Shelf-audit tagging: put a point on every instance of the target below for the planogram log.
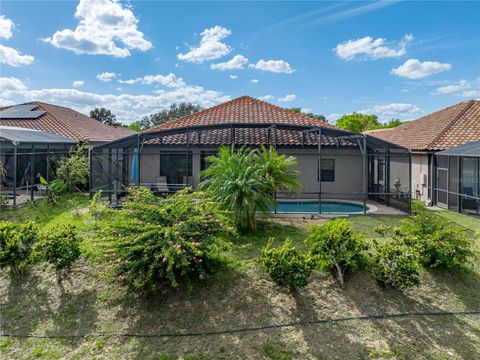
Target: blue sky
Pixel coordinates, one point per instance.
(394, 59)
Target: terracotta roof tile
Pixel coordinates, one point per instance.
(69, 123)
(243, 110)
(444, 129)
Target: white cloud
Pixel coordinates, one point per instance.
(461, 85)
(254, 81)
(398, 110)
(127, 107)
(78, 83)
(169, 80)
(6, 27)
(10, 56)
(210, 47)
(333, 117)
(470, 93)
(106, 76)
(105, 27)
(276, 66)
(287, 98)
(414, 69)
(266, 97)
(234, 77)
(369, 48)
(11, 84)
(6, 102)
(238, 62)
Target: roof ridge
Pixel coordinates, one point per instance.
(451, 122)
(82, 136)
(289, 110)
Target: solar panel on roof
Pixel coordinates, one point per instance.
(21, 112)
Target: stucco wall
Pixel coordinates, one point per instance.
(348, 167)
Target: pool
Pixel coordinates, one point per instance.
(311, 206)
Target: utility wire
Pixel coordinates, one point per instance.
(384, 316)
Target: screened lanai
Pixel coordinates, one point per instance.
(458, 178)
(25, 156)
(340, 172)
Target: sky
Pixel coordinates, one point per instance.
(389, 58)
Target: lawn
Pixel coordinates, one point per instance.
(239, 296)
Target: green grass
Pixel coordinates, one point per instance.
(238, 296)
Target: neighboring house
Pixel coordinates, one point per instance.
(61, 121)
(441, 130)
(460, 190)
(33, 136)
(172, 155)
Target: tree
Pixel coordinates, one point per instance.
(135, 126)
(237, 178)
(392, 123)
(105, 116)
(174, 112)
(358, 123)
(312, 115)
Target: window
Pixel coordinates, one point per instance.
(328, 170)
(173, 166)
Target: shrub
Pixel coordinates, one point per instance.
(60, 247)
(16, 243)
(73, 169)
(394, 264)
(439, 242)
(54, 189)
(336, 247)
(171, 242)
(286, 265)
(99, 208)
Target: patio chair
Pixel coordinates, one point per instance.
(468, 203)
(161, 184)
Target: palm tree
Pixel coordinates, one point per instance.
(277, 169)
(244, 181)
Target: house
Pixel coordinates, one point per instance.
(339, 167)
(460, 190)
(61, 121)
(33, 136)
(442, 130)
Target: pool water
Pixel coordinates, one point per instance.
(309, 206)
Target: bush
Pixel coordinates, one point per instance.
(60, 247)
(439, 243)
(16, 243)
(286, 265)
(99, 208)
(169, 241)
(336, 247)
(394, 264)
(73, 169)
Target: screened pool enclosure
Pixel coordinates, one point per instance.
(25, 156)
(458, 178)
(335, 166)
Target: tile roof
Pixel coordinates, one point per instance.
(68, 123)
(443, 129)
(247, 136)
(242, 110)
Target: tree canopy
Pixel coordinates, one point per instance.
(309, 114)
(174, 112)
(357, 122)
(104, 116)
